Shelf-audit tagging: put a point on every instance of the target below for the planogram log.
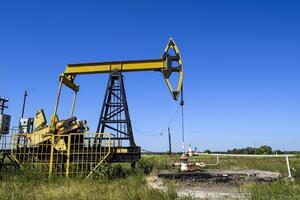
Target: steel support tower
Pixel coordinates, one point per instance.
(115, 119)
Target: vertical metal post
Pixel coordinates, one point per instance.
(73, 104)
(68, 155)
(109, 143)
(51, 156)
(288, 166)
(182, 118)
(170, 147)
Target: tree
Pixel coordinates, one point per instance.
(278, 152)
(265, 149)
(207, 151)
(250, 150)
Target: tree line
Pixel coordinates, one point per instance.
(262, 150)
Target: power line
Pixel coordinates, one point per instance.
(147, 134)
(171, 119)
(163, 129)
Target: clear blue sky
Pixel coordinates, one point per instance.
(241, 63)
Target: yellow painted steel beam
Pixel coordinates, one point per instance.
(120, 66)
(169, 63)
(164, 64)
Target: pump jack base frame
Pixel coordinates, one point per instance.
(125, 154)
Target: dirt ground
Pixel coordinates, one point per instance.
(201, 190)
(211, 184)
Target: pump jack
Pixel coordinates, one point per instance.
(114, 117)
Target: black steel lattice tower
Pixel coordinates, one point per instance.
(114, 117)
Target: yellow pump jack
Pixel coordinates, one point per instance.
(170, 62)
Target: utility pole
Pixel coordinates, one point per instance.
(4, 119)
(3, 104)
(170, 146)
(24, 102)
(22, 114)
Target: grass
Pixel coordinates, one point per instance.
(121, 182)
(258, 191)
(276, 190)
(132, 187)
(159, 162)
(112, 183)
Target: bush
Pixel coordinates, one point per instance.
(110, 171)
(146, 165)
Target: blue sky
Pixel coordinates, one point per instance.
(241, 64)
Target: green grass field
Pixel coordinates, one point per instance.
(131, 187)
(276, 190)
(121, 182)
